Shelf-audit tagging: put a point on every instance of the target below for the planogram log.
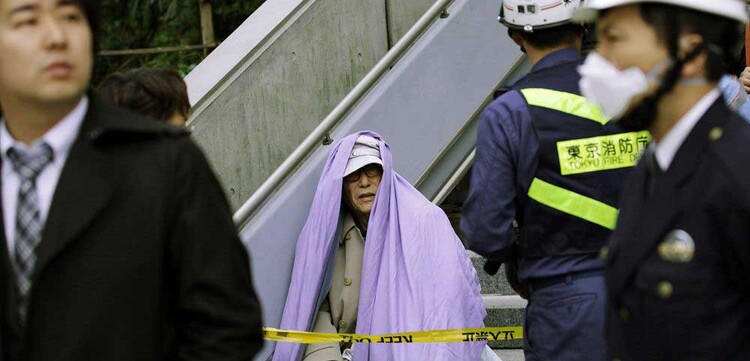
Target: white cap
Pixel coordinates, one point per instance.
(530, 15)
(365, 151)
(732, 9)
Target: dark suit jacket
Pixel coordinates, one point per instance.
(139, 258)
(661, 307)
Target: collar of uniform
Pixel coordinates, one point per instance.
(60, 137)
(557, 57)
(349, 226)
(667, 148)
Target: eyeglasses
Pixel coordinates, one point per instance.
(371, 171)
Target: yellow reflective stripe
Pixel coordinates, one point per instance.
(572, 203)
(564, 102)
(601, 153)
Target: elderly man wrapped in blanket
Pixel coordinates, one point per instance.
(376, 257)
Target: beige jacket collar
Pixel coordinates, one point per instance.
(349, 226)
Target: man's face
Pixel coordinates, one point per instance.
(45, 50)
(361, 187)
(626, 40)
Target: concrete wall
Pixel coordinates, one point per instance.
(266, 87)
(258, 120)
(402, 14)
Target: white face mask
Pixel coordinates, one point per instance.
(611, 88)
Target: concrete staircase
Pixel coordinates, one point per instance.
(504, 307)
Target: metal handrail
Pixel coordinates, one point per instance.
(298, 156)
(430, 167)
(468, 161)
(459, 174)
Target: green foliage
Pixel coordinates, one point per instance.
(135, 24)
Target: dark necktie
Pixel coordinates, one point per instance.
(653, 170)
(28, 223)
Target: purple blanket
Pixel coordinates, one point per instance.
(416, 274)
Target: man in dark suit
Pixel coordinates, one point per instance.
(120, 244)
(678, 262)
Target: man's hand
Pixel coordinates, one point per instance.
(511, 273)
(745, 79)
(491, 267)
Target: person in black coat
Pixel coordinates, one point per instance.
(678, 261)
(120, 242)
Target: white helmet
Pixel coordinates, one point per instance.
(733, 9)
(530, 15)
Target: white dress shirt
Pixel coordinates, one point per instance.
(666, 150)
(60, 138)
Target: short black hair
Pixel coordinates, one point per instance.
(721, 41)
(564, 35)
(155, 93)
(92, 11)
(721, 36)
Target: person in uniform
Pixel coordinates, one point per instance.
(551, 161)
(677, 264)
(376, 257)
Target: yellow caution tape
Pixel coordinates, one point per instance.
(457, 335)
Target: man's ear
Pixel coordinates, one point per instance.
(695, 68)
(517, 38)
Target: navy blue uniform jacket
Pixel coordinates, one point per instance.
(694, 308)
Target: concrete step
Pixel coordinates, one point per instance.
(510, 355)
(504, 302)
(490, 284)
(504, 311)
(504, 307)
(496, 284)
